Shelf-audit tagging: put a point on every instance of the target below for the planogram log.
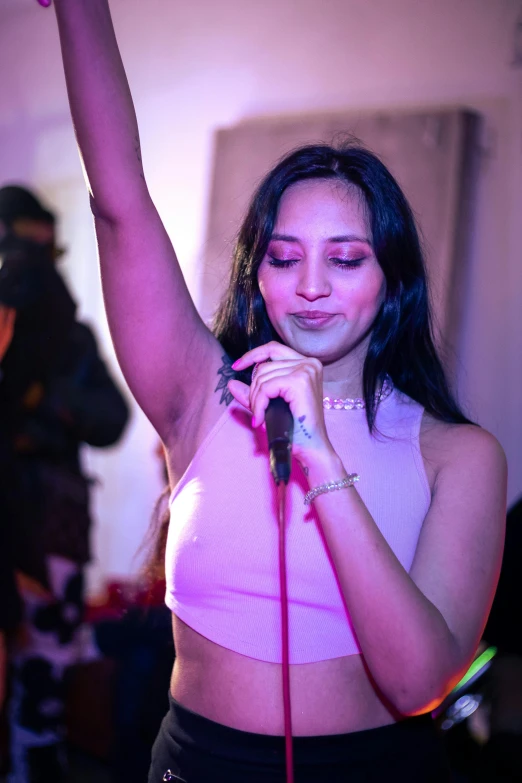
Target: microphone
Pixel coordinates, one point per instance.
(280, 430)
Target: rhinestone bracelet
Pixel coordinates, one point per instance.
(330, 486)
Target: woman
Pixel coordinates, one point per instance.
(390, 582)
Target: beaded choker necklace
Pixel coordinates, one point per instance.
(358, 403)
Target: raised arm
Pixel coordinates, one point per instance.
(154, 324)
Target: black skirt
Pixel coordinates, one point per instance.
(193, 749)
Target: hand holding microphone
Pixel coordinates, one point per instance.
(297, 381)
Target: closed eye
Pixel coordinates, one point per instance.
(347, 263)
(343, 263)
(282, 262)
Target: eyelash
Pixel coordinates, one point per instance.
(281, 263)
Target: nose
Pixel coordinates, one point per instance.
(313, 282)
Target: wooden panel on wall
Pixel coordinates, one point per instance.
(431, 153)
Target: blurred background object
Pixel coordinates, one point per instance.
(55, 394)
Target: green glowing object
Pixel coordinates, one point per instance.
(479, 663)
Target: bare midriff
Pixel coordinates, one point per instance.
(328, 697)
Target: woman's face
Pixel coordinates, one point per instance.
(320, 279)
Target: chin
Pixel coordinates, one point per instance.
(319, 348)
(328, 348)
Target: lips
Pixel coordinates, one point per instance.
(313, 318)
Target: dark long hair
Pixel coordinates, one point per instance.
(401, 343)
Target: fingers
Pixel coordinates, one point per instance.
(279, 372)
(279, 384)
(240, 392)
(249, 396)
(263, 353)
(297, 382)
(257, 396)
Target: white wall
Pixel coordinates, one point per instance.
(197, 66)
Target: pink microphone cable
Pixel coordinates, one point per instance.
(281, 503)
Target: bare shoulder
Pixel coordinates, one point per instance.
(446, 447)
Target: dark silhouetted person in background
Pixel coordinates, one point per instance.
(55, 394)
(10, 605)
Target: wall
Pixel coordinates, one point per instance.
(194, 67)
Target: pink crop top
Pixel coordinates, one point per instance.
(222, 548)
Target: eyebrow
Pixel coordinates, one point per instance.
(338, 239)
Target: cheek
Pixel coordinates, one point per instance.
(273, 293)
(365, 298)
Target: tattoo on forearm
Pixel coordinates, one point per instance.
(138, 155)
(303, 429)
(226, 374)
